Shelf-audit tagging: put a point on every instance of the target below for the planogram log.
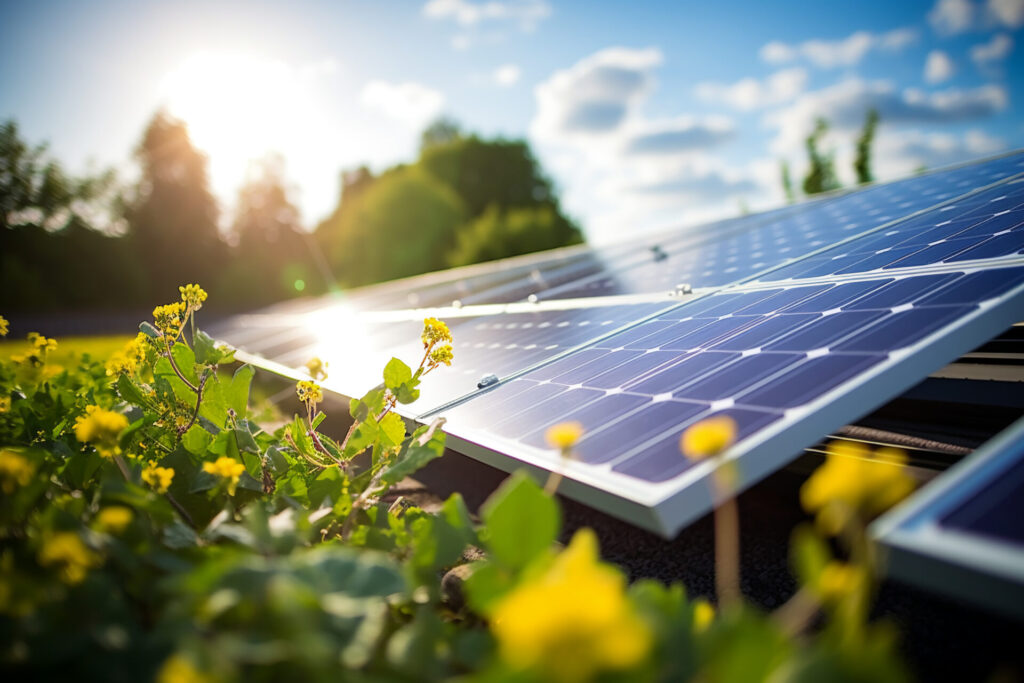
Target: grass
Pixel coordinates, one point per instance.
(69, 348)
(100, 347)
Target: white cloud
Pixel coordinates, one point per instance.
(595, 95)
(848, 51)
(949, 17)
(526, 13)
(1009, 13)
(899, 154)
(622, 170)
(938, 67)
(410, 103)
(845, 104)
(995, 50)
(507, 75)
(750, 93)
(685, 134)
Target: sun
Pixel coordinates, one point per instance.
(238, 107)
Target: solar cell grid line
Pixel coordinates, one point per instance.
(987, 224)
(738, 249)
(963, 535)
(785, 377)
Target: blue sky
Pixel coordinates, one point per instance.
(647, 115)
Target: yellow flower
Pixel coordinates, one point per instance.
(114, 519)
(442, 354)
(708, 437)
(193, 296)
(159, 478)
(5, 326)
(854, 482)
(179, 669)
(227, 469)
(67, 552)
(703, 615)
(564, 435)
(15, 471)
(127, 360)
(309, 392)
(41, 343)
(316, 368)
(5, 404)
(572, 622)
(435, 331)
(839, 580)
(169, 318)
(101, 428)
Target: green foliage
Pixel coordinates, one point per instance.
(498, 233)
(862, 161)
(463, 201)
(151, 530)
(787, 182)
(821, 173)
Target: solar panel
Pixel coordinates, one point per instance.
(789, 346)
(963, 535)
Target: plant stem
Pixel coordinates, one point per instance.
(199, 400)
(174, 366)
(727, 545)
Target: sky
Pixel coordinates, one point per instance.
(646, 115)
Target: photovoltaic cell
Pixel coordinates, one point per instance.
(635, 392)
(963, 535)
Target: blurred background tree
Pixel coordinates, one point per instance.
(271, 260)
(80, 243)
(821, 172)
(173, 215)
(467, 200)
(59, 235)
(862, 162)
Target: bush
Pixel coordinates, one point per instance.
(151, 530)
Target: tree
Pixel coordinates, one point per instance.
(173, 216)
(403, 224)
(821, 174)
(787, 182)
(499, 233)
(58, 234)
(443, 131)
(271, 260)
(486, 172)
(862, 162)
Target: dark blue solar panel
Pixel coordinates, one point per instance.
(836, 296)
(664, 460)
(998, 510)
(618, 438)
(737, 377)
(810, 380)
(671, 377)
(824, 331)
(592, 416)
(901, 292)
(976, 287)
(899, 330)
(984, 225)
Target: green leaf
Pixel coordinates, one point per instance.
(205, 351)
(808, 554)
(149, 330)
(237, 393)
(362, 437)
(520, 521)
(370, 404)
(131, 392)
(329, 484)
(318, 419)
(425, 444)
(214, 407)
(196, 440)
(186, 362)
(392, 430)
(396, 373)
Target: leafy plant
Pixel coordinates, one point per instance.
(150, 529)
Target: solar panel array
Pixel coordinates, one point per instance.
(804, 318)
(969, 524)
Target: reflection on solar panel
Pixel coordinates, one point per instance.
(967, 524)
(804, 318)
